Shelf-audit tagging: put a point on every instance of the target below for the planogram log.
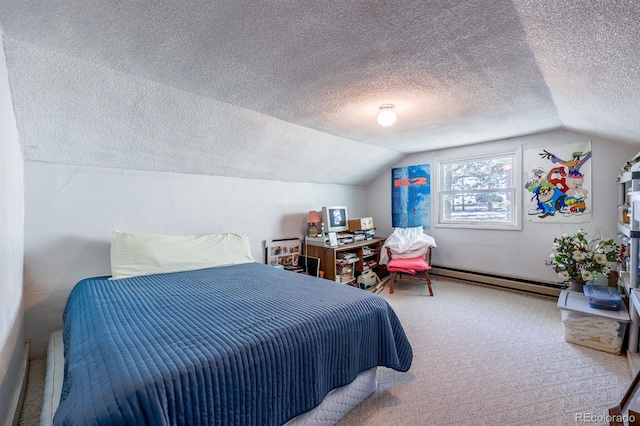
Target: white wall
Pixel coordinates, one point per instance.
(11, 248)
(71, 212)
(520, 254)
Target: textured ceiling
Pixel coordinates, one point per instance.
(458, 72)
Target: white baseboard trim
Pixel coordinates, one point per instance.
(493, 280)
(18, 396)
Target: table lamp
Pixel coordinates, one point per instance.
(313, 219)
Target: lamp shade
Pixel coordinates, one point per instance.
(313, 217)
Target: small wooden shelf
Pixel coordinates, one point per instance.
(329, 255)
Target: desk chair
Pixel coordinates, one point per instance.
(413, 266)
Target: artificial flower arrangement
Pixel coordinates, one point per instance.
(576, 257)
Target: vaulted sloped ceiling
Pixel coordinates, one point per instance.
(289, 90)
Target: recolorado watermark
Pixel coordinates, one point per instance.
(603, 418)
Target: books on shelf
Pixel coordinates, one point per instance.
(345, 278)
(369, 264)
(346, 257)
(368, 251)
(344, 269)
(364, 234)
(347, 254)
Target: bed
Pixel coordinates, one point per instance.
(239, 344)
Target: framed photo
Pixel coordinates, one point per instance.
(282, 252)
(333, 239)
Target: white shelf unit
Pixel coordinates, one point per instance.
(629, 200)
(634, 307)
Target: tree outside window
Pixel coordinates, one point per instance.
(478, 192)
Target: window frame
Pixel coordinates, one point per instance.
(516, 178)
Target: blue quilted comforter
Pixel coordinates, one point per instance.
(237, 345)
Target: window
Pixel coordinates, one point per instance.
(480, 192)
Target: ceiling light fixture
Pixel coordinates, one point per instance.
(386, 116)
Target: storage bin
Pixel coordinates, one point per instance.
(603, 297)
(594, 328)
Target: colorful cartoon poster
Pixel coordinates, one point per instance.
(557, 183)
(411, 196)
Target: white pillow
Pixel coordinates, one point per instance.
(137, 255)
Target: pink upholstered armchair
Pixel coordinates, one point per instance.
(417, 266)
(408, 251)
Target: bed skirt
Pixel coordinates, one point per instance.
(333, 407)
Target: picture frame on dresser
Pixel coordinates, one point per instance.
(333, 239)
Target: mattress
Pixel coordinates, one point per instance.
(242, 344)
(333, 407)
(53, 378)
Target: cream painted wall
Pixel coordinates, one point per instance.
(522, 253)
(11, 249)
(71, 212)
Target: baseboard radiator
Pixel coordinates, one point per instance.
(537, 287)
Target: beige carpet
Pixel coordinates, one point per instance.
(34, 393)
(482, 356)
